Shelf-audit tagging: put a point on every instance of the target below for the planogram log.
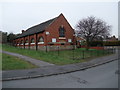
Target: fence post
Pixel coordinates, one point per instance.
(73, 54)
(113, 50)
(83, 54)
(103, 51)
(91, 53)
(58, 50)
(108, 51)
(97, 52)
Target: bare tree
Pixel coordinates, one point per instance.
(91, 28)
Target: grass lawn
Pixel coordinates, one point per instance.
(59, 58)
(10, 63)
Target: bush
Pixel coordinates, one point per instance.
(105, 43)
(111, 43)
(96, 43)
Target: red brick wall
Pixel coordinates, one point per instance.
(53, 29)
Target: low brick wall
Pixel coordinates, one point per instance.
(50, 48)
(42, 48)
(33, 47)
(55, 48)
(26, 47)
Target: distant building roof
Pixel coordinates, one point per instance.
(80, 39)
(37, 28)
(112, 38)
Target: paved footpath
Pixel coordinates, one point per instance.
(103, 76)
(36, 62)
(55, 70)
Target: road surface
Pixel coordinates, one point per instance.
(104, 76)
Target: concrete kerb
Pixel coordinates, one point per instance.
(64, 72)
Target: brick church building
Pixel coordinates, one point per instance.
(47, 36)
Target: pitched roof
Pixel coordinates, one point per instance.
(37, 28)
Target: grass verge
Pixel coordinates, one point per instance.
(10, 63)
(58, 57)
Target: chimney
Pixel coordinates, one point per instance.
(23, 31)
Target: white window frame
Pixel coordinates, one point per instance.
(40, 42)
(70, 40)
(54, 40)
(32, 43)
(47, 33)
(26, 43)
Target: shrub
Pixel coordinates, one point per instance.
(105, 43)
(111, 43)
(96, 43)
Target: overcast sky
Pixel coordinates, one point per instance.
(17, 16)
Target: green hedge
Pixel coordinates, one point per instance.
(111, 43)
(105, 43)
(96, 43)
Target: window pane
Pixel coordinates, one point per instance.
(53, 39)
(21, 41)
(61, 32)
(41, 39)
(32, 40)
(26, 41)
(69, 40)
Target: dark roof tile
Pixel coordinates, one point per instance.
(37, 28)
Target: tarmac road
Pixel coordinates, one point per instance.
(103, 76)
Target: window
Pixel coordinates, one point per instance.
(17, 42)
(69, 40)
(26, 42)
(32, 41)
(53, 39)
(21, 42)
(61, 31)
(40, 40)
